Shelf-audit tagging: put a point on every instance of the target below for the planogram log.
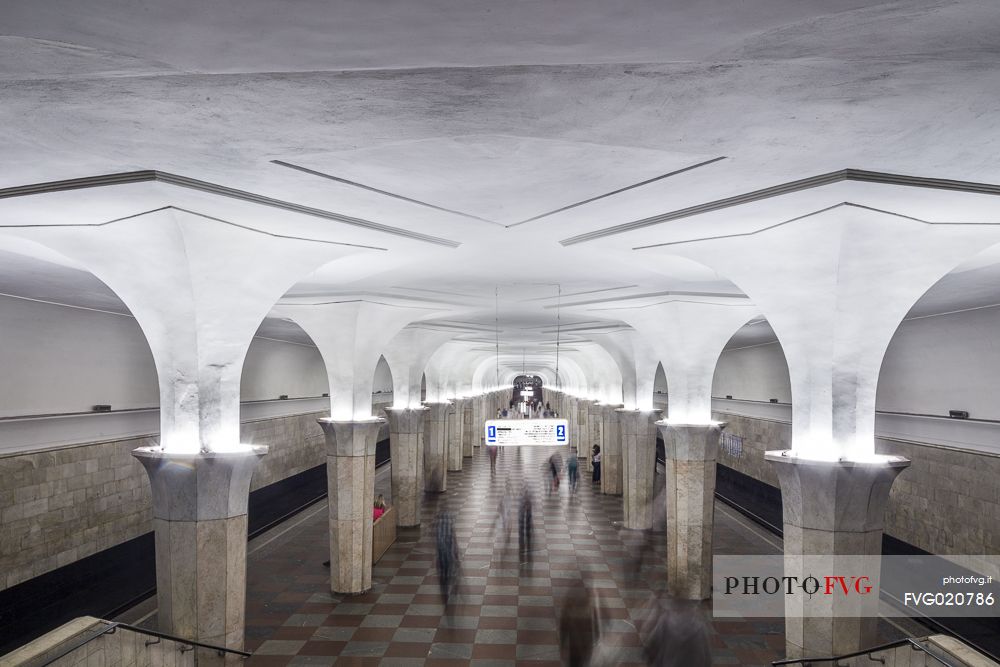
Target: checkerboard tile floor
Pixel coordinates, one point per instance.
(505, 607)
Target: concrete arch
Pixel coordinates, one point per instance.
(382, 382)
(42, 252)
(835, 286)
(661, 389)
(166, 266)
(932, 347)
(757, 371)
(687, 334)
(409, 352)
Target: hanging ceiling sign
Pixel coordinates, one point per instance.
(527, 432)
(527, 382)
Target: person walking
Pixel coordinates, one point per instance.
(676, 636)
(577, 629)
(573, 471)
(505, 514)
(596, 461)
(524, 524)
(555, 464)
(447, 554)
(492, 451)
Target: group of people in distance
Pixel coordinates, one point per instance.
(526, 410)
(573, 469)
(673, 633)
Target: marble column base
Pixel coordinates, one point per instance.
(350, 474)
(200, 525)
(406, 451)
(611, 451)
(833, 509)
(638, 438)
(436, 448)
(691, 451)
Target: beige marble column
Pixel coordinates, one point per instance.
(455, 413)
(691, 451)
(406, 447)
(573, 422)
(200, 525)
(436, 448)
(350, 474)
(833, 509)
(638, 431)
(583, 431)
(467, 411)
(611, 451)
(478, 417)
(595, 427)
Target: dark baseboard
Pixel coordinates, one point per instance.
(109, 582)
(92, 586)
(758, 501)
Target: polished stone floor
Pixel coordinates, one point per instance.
(505, 608)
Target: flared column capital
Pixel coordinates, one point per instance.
(437, 409)
(843, 496)
(199, 486)
(351, 437)
(406, 420)
(691, 442)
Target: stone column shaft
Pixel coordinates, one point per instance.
(436, 448)
(467, 412)
(200, 524)
(573, 422)
(594, 432)
(638, 437)
(350, 474)
(478, 412)
(406, 447)
(611, 452)
(691, 451)
(833, 509)
(455, 413)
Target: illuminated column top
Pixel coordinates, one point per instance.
(835, 286)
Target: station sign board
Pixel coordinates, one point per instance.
(527, 432)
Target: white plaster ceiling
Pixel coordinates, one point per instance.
(311, 35)
(502, 112)
(503, 179)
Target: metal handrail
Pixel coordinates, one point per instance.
(111, 627)
(913, 643)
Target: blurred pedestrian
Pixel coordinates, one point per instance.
(577, 627)
(505, 513)
(447, 554)
(555, 465)
(492, 451)
(676, 636)
(524, 523)
(643, 542)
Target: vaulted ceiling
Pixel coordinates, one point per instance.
(503, 157)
